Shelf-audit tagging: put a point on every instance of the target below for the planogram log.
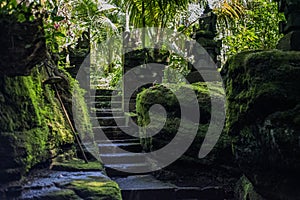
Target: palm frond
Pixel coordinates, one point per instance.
(106, 22)
(229, 10)
(155, 12)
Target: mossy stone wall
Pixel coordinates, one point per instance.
(263, 95)
(32, 125)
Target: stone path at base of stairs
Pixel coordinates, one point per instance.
(147, 187)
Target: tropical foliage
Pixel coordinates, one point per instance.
(251, 25)
(242, 25)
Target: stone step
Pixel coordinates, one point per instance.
(209, 193)
(116, 129)
(123, 158)
(112, 147)
(145, 187)
(104, 92)
(116, 170)
(110, 121)
(112, 133)
(148, 187)
(106, 104)
(100, 98)
(133, 140)
(117, 136)
(172, 194)
(149, 194)
(100, 110)
(109, 113)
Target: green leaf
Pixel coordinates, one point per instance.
(21, 18)
(54, 12)
(31, 18)
(58, 18)
(59, 34)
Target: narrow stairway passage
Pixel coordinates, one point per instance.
(133, 186)
(107, 116)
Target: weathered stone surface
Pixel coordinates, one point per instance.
(75, 180)
(68, 185)
(101, 189)
(210, 76)
(32, 121)
(290, 27)
(290, 42)
(64, 194)
(291, 11)
(23, 125)
(263, 94)
(159, 94)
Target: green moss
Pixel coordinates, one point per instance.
(257, 82)
(77, 165)
(159, 94)
(81, 113)
(20, 109)
(56, 121)
(22, 116)
(32, 116)
(36, 143)
(244, 190)
(101, 189)
(64, 194)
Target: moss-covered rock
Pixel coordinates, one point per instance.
(74, 101)
(32, 123)
(263, 95)
(64, 194)
(160, 94)
(102, 189)
(260, 81)
(73, 179)
(25, 123)
(76, 165)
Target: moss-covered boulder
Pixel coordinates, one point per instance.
(64, 194)
(67, 179)
(32, 123)
(93, 188)
(263, 95)
(102, 189)
(28, 113)
(87, 186)
(160, 94)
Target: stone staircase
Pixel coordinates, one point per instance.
(133, 186)
(108, 111)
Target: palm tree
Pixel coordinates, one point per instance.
(228, 11)
(92, 15)
(153, 13)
